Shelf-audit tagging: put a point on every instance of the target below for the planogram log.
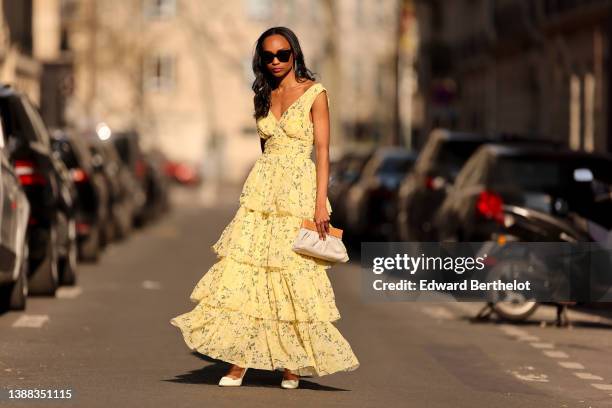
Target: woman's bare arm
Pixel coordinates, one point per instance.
(320, 120)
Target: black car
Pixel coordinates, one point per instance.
(526, 190)
(121, 183)
(371, 201)
(46, 182)
(92, 192)
(14, 215)
(128, 147)
(158, 184)
(439, 162)
(513, 193)
(343, 174)
(68, 249)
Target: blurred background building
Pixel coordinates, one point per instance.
(519, 66)
(179, 71)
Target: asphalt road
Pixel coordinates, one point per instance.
(109, 339)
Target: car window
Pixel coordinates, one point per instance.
(355, 167)
(452, 156)
(555, 177)
(17, 124)
(123, 148)
(40, 130)
(369, 169)
(5, 134)
(474, 170)
(527, 174)
(396, 165)
(66, 153)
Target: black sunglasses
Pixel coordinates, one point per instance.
(282, 55)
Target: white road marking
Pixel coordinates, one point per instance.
(571, 365)
(528, 338)
(532, 377)
(542, 345)
(555, 354)
(588, 376)
(35, 321)
(548, 350)
(68, 292)
(151, 285)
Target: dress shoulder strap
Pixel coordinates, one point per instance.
(317, 89)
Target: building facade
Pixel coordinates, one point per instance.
(34, 57)
(538, 67)
(18, 67)
(180, 72)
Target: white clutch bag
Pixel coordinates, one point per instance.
(308, 243)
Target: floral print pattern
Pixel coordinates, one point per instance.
(262, 305)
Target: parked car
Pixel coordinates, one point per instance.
(157, 185)
(121, 183)
(14, 214)
(524, 193)
(128, 147)
(52, 224)
(439, 162)
(371, 201)
(92, 214)
(504, 182)
(68, 237)
(343, 174)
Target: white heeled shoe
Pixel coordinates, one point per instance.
(227, 381)
(290, 384)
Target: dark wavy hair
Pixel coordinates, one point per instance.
(264, 81)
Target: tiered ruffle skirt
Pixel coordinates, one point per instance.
(261, 305)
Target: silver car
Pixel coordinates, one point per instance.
(14, 215)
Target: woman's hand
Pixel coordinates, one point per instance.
(321, 218)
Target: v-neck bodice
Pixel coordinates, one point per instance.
(289, 107)
(283, 178)
(294, 123)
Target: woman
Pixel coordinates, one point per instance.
(262, 305)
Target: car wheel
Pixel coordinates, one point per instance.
(19, 294)
(515, 311)
(14, 296)
(45, 278)
(512, 305)
(110, 231)
(68, 264)
(120, 227)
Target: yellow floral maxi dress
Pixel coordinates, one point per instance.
(262, 305)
